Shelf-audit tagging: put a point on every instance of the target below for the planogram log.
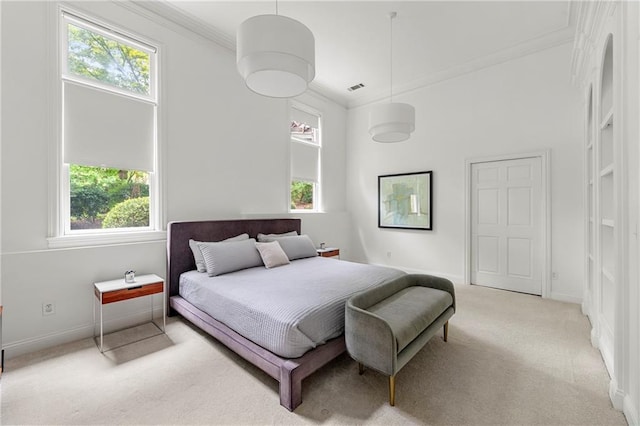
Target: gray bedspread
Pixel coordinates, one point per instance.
(289, 309)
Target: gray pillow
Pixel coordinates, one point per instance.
(229, 256)
(272, 254)
(197, 253)
(265, 238)
(298, 247)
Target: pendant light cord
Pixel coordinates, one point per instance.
(391, 16)
(276, 7)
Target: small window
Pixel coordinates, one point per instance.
(305, 160)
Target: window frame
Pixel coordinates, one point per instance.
(317, 186)
(60, 233)
(112, 33)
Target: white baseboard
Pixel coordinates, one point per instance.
(630, 411)
(33, 344)
(616, 394)
(606, 352)
(566, 298)
(586, 303)
(595, 339)
(456, 279)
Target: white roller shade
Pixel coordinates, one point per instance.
(107, 129)
(304, 162)
(304, 117)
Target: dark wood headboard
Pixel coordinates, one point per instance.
(180, 257)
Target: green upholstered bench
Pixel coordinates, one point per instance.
(387, 325)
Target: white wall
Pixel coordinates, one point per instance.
(226, 156)
(0, 173)
(631, 141)
(520, 106)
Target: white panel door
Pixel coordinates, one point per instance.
(506, 225)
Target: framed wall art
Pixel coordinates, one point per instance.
(404, 201)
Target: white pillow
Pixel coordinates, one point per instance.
(229, 256)
(298, 247)
(265, 238)
(197, 253)
(272, 254)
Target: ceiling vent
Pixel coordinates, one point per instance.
(355, 87)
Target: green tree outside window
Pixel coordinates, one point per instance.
(97, 57)
(301, 195)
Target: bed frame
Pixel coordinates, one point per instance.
(288, 371)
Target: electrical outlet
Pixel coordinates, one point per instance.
(389, 254)
(48, 308)
(554, 275)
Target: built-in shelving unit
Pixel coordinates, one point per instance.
(590, 207)
(606, 208)
(605, 59)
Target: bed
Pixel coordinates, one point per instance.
(311, 342)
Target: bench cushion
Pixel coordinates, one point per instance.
(410, 311)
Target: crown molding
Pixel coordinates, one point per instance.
(547, 41)
(591, 20)
(178, 21)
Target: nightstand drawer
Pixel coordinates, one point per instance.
(329, 252)
(130, 293)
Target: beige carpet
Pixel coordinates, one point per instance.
(510, 359)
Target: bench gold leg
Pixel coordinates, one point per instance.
(446, 330)
(360, 368)
(392, 390)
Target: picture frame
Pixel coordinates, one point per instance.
(405, 201)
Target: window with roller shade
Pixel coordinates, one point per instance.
(306, 148)
(109, 108)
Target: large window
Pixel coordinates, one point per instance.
(109, 179)
(305, 160)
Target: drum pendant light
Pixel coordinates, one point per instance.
(393, 121)
(275, 55)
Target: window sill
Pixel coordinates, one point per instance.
(87, 240)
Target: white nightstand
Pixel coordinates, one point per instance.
(329, 252)
(118, 290)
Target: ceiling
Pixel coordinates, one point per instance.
(432, 40)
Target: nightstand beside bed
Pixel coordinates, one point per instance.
(118, 290)
(329, 252)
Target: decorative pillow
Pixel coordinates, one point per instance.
(229, 256)
(197, 253)
(272, 254)
(298, 247)
(266, 238)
